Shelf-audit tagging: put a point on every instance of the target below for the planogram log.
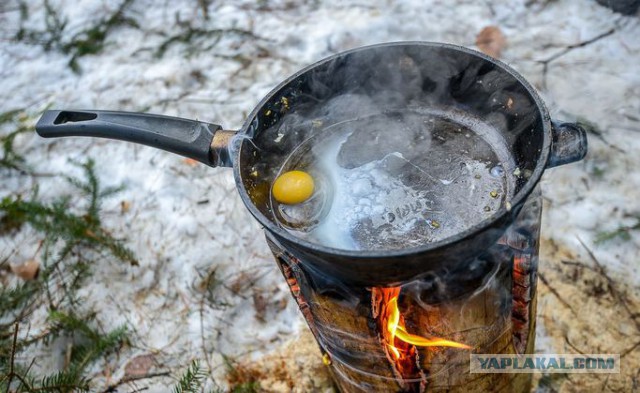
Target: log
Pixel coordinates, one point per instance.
(339, 318)
(489, 306)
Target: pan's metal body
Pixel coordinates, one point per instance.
(410, 73)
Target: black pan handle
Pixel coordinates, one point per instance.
(568, 144)
(200, 141)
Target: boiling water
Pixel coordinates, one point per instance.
(396, 181)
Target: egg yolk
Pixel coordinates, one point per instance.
(293, 187)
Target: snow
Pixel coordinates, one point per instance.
(178, 240)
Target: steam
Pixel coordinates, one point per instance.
(438, 127)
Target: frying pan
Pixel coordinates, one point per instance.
(391, 77)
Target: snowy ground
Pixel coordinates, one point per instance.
(186, 220)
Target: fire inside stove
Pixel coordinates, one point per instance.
(401, 345)
(418, 335)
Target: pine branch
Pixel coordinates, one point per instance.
(90, 187)
(190, 34)
(57, 222)
(12, 359)
(191, 380)
(13, 371)
(84, 355)
(62, 382)
(93, 40)
(54, 28)
(89, 41)
(8, 116)
(10, 159)
(68, 242)
(70, 323)
(623, 232)
(98, 343)
(14, 298)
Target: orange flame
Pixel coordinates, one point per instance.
(396, 329)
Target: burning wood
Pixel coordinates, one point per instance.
(400, 344)
(417, 336)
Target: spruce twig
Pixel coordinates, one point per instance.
(12, 369)
(13, 357)
(95, 343)
(546, 62)
(17, 301)
(622, 232)
(62, 382)
(89, 41)
(51, 36)
(10, 159)
(69, 240)
(58, 223)
(191, 380)
(190, 34)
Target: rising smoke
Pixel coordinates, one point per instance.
(431, 122)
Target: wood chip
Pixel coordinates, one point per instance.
(260, 304)
(28, 270)
(190, 162)
(139, 366)
(491, 41)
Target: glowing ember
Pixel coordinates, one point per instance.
(401, 343)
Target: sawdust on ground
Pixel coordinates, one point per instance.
(581, 308)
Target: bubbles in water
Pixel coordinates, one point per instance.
(497, 171)
(412, 181)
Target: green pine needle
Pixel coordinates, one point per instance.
(89, 41)
(191, 380)
(70, 323)
(62, 382)
(247, 387)
(14, 298)
(16, 123)
(623, 233)
(84, 355)
(58, 222)
(71, 241)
